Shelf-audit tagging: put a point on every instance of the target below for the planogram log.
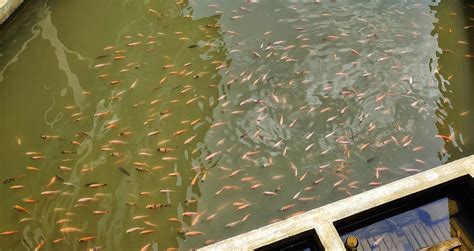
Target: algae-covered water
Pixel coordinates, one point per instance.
(130, 125)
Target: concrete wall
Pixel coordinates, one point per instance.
(7, 7)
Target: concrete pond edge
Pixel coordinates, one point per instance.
(7, 7)
(322, 219)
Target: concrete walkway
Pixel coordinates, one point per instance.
(7, 7)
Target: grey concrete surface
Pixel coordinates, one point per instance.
(7, 7)
(321, 219)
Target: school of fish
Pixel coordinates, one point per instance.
(235, 128)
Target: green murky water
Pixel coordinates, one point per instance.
(178, 125)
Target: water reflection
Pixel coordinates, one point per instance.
(438, 218)
(422, 227)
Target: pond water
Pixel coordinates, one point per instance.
(175, 124)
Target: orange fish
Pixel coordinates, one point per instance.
(193, 233)
(148, 231)
(67, 230)
(17, 187)
(86, 238)
(145, 248)
(29, 200)
(58, 240)
(20, 208)
(287, 207)
(101, 212)
(96, 185)
(40, 245)
(180, 132)
(7, 233)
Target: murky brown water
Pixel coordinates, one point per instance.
(203, 120)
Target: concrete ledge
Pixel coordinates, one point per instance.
(322, 219)
(7, 7)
